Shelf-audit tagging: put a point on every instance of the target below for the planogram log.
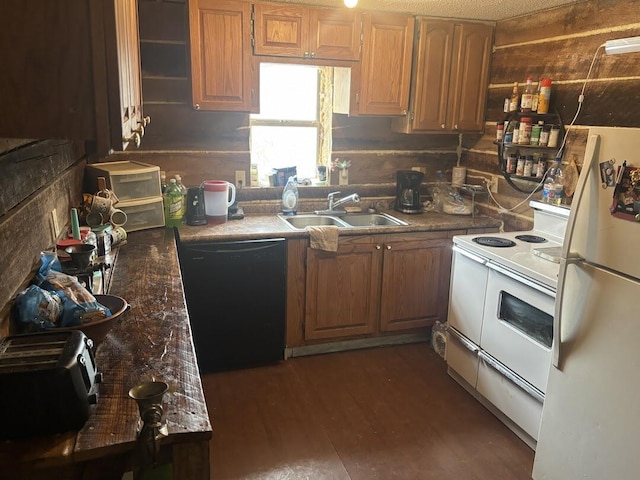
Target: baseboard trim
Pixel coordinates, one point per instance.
(357, 344)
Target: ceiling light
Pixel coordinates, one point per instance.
(622, 45)
(350, 3)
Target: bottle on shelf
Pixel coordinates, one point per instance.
(536, 96)
(174, 205)
(545, 96)
(526, 100)
(163, 182)
(515, 97)
(553, 187)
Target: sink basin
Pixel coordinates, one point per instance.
(344, 220)
(371, 220)
(309, 220)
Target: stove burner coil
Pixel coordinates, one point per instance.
(494, 242)
(531, 238)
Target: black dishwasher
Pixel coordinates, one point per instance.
(235, 293)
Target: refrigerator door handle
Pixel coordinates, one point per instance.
(590, 155)
(568, 256)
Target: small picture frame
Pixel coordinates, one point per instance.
(607, 174)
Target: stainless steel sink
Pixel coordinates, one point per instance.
(342, 220)
(371, 220)
(308, 220)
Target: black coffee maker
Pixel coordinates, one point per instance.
(196, 214)
(408, 192)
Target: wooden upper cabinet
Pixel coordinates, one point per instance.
(221, 63)
(381, 87)
(470, 76)
(282, 29)
(450, 78)
(71, 70)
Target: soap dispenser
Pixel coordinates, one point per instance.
(290, 197)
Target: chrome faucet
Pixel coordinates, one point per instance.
(333, 205)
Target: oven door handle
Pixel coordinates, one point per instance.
(521, 279)
(469, 255)
(513, 377)
(464, 341)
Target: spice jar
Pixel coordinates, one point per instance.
(554, 135)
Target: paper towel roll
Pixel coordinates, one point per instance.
(458, 176)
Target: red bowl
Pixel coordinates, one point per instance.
(96, 330)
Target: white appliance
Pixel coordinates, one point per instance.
(500, 323)
(591, 417)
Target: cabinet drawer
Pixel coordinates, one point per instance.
(128, 180)
(142, 214)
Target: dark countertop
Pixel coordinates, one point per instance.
(151, 341)
(256, 226)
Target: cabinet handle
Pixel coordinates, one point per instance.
(388, 247)
(313, 54)
(197, 106)
(378, 247)
(455, 127)
(442, 125)
(305, 54)
(145, 121)
(135, 138)
(140, 130)
(405, 112)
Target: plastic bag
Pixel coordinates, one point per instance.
(447, 199)
(38, 308)
(78, 304)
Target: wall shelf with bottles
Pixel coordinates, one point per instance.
(523, 164)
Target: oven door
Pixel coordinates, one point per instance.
(518, 324)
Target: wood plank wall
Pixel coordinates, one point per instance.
(560, 44)
(38, 176)
(204, 145)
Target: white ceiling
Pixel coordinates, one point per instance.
(470, 9)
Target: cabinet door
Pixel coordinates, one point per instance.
(431, 81)
(415, 281)
(334, 33)
(470, 76)
(221, 68)
(343, 288)
(386, 64)
(128, 112)
(70, 70)
(281, 29)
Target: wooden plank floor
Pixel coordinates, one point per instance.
(381, 413)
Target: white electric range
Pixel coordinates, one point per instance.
(533, 253)
(500, 323)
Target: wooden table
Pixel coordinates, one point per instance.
(152, 341)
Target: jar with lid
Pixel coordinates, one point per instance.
(520, 165)
(512, 162)
(536, 130)
(554, 136)
(525, 130)
(544, 135)
(499, 131)
(528, 166)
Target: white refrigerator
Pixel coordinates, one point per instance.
(590, 426)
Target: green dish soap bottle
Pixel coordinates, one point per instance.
(290, 197)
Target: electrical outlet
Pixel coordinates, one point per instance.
(55, 226)
(241, 180)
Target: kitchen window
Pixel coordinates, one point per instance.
(293, 127)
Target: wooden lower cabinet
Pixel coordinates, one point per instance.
(375, 284)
